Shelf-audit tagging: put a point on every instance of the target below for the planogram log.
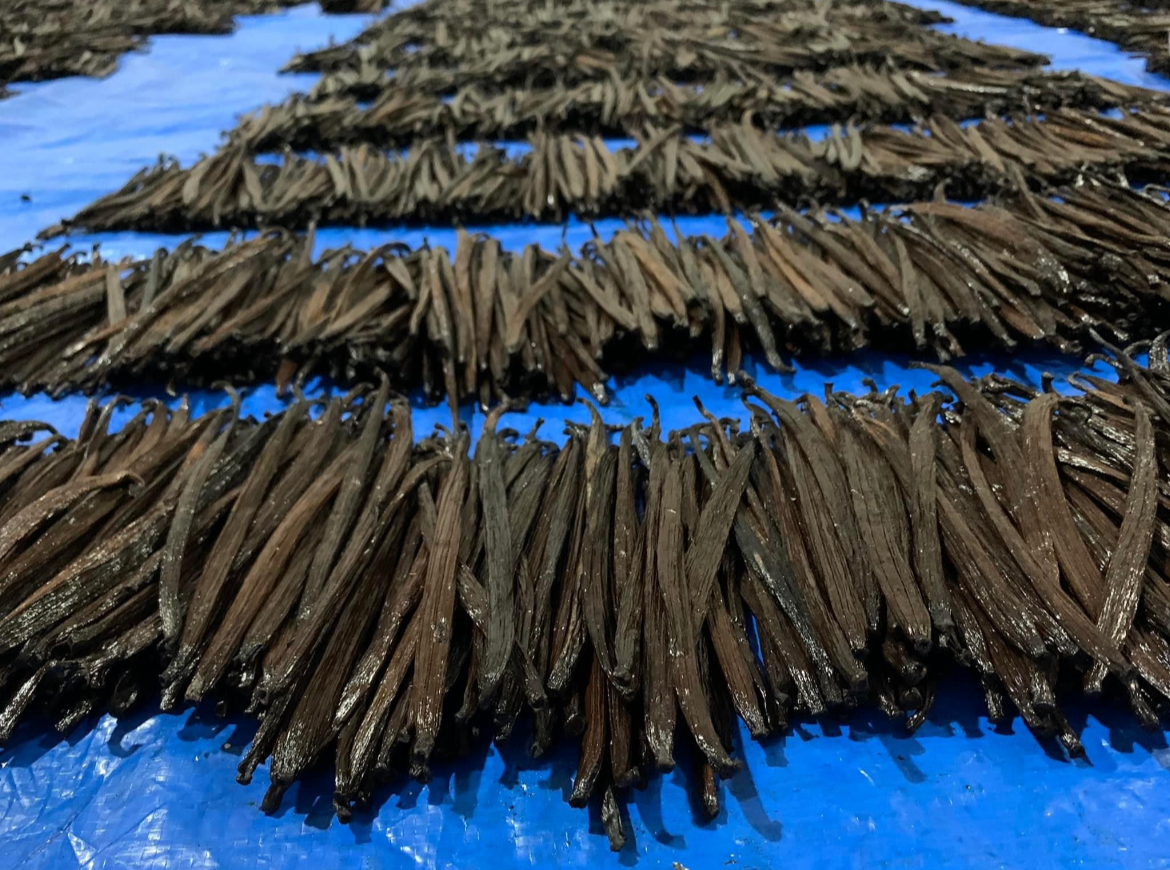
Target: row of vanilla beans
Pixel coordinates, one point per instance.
(501, 45)
(386, 599)
(482, 322)
(1139, 28)
(400, 113)
(450, 26)
(740, 167)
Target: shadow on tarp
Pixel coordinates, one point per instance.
(503, 782)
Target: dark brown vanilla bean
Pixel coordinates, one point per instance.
(705, 553)
(499, 556)
(205, 454)
(1123, 576)
(884, 532)
(679, 622)
(628, 574)
(437, 608)
(346, 504)
(593, 742)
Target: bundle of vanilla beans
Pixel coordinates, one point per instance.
(400, 115)
(739, 168)
(482, 322)
(385, 603)
(1138, 27)
(47, 39)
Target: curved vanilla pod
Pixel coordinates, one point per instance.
(593, 741)
(597, 600)
(555, 531)
(1148, 648)
(718, 514)
(628, 566)
(679, 625)
(1123, 575)
(772, 567)
(527, 470)
(14, 463)
(1070, 614)
(884, 532)
(205, 455)
(567, 631)
(391, 699)
(774, 480)
(657, 684)
(27, 522)
(1157, 401)
(437, 608)
(311, 728)
(924, 511)
(829, 475)
(499, 557)
(13, 431)
(1032, 549)
(739, 672)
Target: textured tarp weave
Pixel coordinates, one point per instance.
(158, 791)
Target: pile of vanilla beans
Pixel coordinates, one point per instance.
(386, 600)
(481, 322)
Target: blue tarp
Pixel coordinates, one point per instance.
(159, 790)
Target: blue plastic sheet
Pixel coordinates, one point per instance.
(158, 791)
